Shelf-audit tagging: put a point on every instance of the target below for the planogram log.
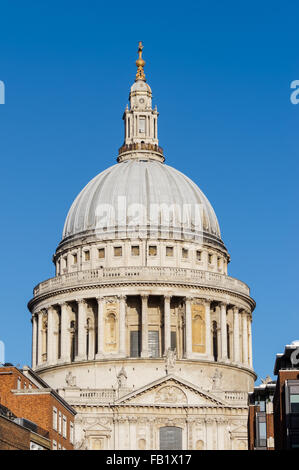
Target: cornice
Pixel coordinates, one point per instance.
(167, 284)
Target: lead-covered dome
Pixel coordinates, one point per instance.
(142, 198)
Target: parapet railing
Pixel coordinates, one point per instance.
(105, 275)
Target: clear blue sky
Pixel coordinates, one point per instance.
(220, 73)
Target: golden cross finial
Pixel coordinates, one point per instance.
(140, 75)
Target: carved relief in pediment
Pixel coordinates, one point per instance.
(170, 394)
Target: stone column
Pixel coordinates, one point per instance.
(209, 434)
(223, 331)
(34, 340)
(81, 330)
(236, 335)
(51, 359)
(122, 325)
(245, 338)
(144, 326)
(39, 337)
(116, 431)
(221, 429)
(132, 433)
(250, 341)
(101, 304)
(167, 328)
(188, 328)
(65, 334)
(209, 351)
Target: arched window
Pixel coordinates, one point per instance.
(215, 341)
(171, 438)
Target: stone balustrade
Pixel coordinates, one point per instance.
(102, 276)
(77, 396)
(235, 397)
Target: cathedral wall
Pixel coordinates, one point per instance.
(98, 375)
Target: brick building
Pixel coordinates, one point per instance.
(30, 398)
(286, 398)
(19, 434)
(273, 421)
(261, 419)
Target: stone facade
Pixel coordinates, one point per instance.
(146, 336)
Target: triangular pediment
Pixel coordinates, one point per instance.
(170, 391)
(96, 427)
(241, 429)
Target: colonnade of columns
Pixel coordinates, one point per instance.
(54, 332)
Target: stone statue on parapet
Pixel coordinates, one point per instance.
(170, 359)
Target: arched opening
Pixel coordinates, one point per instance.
(228, 340)
(215, 341)
(171, 438)
(73, 340)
